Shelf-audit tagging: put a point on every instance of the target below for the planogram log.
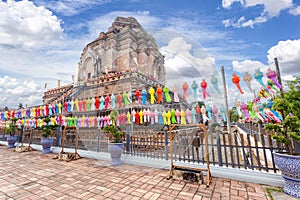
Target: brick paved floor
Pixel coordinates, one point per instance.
(32, 175)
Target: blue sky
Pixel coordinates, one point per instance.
(41, 41)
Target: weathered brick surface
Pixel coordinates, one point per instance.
(32, 175)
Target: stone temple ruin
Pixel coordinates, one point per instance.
(121, 60)
(126, 46)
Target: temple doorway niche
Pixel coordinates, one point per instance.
(88, 68)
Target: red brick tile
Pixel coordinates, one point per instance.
(176, 186)
(234, 192)
(155, 196)
(237, 198)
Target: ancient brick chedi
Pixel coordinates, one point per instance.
(124, 58)
(126, 46)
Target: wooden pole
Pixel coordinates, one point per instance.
(279, 81)
(278, 76)
(226, 100)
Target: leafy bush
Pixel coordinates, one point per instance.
(46, 128)
(12, 127)
(288, 131)
(114, 132)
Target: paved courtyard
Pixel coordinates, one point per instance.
(33, 175)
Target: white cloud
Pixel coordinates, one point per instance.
(287, 77)
(183, 65)
(195, 28)
(240, 67)
(248, 66)
(179, 58)
(288, 54)
(243, 23)
(8, 82)
(227, 22)
(24, 24)
(270, 10)
(295, 11)
(178, 45)
(31, 45)
(13, 92)
(71, 7)
(228, 3)
(41, 65)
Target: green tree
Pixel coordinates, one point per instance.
(289, 130)
(290, 103)
(293, 96)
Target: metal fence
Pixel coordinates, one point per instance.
(237, 150)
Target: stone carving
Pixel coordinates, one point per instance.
(96, 62)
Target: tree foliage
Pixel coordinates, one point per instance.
(293, 97)
(289, 130)
(46, 128)
(11, 130)
(290, 102)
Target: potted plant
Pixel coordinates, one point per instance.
(288, 134)
(115, 135)
(46, 140)
(11, 130)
